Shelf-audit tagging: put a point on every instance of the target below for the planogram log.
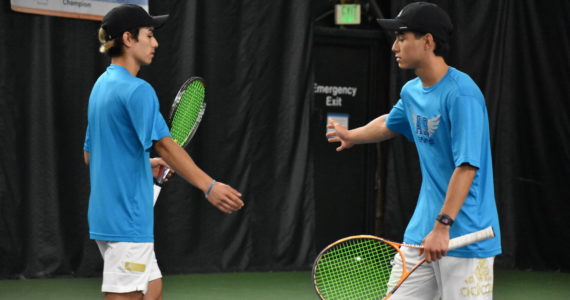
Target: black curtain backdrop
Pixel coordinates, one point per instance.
(255, 56)
(257, 59)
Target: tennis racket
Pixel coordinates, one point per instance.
(359, 267)
(184, 118)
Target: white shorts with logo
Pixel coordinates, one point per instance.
(128, 267)
(449, 278)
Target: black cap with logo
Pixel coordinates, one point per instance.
(421, 17)
(129, 16)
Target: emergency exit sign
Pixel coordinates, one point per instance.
(347, 14)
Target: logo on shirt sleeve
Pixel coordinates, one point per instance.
(425, 127)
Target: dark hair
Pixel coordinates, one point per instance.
(441, 46)
(114, 47)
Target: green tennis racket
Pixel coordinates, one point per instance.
(185, 115)
(359, 267)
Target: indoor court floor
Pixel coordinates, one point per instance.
(509, 285)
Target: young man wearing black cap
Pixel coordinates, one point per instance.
(124, 123)
(443, 112)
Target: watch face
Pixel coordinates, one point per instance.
(445, 220)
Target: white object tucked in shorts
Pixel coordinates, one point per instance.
(128, 267)
(449, 278)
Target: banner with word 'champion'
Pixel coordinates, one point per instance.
(79, 9)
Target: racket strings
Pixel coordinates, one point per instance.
(355, 269)
(188, 112)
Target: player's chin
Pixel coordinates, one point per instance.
(147, 61)
(404, 66)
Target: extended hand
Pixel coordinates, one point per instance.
(225, 198)
(339, 134)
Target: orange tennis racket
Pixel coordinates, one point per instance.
(359, 267)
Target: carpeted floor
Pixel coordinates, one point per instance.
(509, 285)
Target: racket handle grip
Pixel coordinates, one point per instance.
(471, 238)
(162, 175)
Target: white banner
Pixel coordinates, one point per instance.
(79, 9)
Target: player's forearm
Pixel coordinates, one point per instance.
(86, 157)
(182, 163)
(458, 189)
(373, 132)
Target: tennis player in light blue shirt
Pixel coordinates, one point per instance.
(124, 120)
(124, 124)
(449, 125)
(443, 112)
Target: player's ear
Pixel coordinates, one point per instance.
(127, 39)
(429, 42)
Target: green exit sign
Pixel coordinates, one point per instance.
(347, 14)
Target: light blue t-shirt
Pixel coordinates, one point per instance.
(123, 122)
(449, 124)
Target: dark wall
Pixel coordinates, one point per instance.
(256, 56)
(344, 182)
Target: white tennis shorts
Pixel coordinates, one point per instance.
(128, 267)
(449, 278)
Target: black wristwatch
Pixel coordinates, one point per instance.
(444, 219)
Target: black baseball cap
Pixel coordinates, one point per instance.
(129, 16)
(421, 17)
